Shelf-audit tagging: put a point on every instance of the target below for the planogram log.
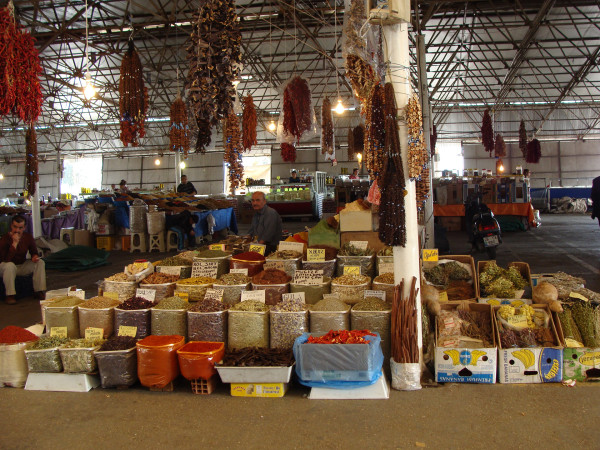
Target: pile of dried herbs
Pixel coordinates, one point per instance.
(498, 282)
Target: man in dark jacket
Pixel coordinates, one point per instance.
(266, 223)
(186, 187)
(183, 224)
(596, 199)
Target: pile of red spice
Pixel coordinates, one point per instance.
(159, 341)
(15, 335)
(249, 257)
(341, 337)
(271, 276)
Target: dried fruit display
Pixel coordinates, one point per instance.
(487, 132)
(213, 55)
(422, 186)
(417, 152)
(375, 133)
(297, 112)
(179, 132)
(362, 77)
(249, 123)
(233, 151)
(357, 17)
(31, 161)
(534, 151)
(326, 128)
(133, 98)
(499, 147)
(523, 139)
(20, 91)
(288, 152)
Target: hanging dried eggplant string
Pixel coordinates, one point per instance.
(417, 152)
(31, 162)
(487, 132)
(362, 77)
(213, 55)
(534, 151)
(179, 131)
(326, 128)
(405, 348)
(233, 151)
(499, 147)
(249, 123)
(523, 139)
(297, 112)
(133, 98)
(375, 133)
(288, 152)
(392, 215)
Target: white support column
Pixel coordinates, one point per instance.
(59, 173)
(177, 169)
(36, 217)
(406, 259)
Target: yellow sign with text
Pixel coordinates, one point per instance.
(443, 297)
(258, 248)
(183, 295)
(430, 254)
(93, 334)
(315, 254)
(127, 331)
(217, 247)
(351, 270)
(59, 332)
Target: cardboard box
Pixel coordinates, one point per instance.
(466, 365)
(49, 212)
(356, 220)
(371, 236)
(258, 389)
(465, 259)
(84, 237)
(455, 194)
(452, 223)
(525, 272)
(516, 302)
(469, 190)
(441, 195)
(105, 229)
(488, 193)
(530, 365)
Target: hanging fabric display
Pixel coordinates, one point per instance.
(249, 123)
(499, 147)
(31, 161)
(374, 141)
(133, 98)
(288, 152)
(326, 128)
(417, 153)
(534, 152)
(20, 90)
(523, 139)
(233, 151)
(487, 132)
(297, 112)
(179, 131)
(213, 55)
(392, 217)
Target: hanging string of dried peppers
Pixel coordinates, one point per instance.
(233, 151)
(499, 147)
(179, 132)
(133, 101)
(249, 123)
(523, 139)
(297, 112)
(392, 216)
(213, 55)
(20, 90)
(534, 151)
(375, 133)
(31, 160)
(326, 128)
(288, 152)
(487, 132)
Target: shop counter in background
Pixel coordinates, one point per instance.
(499, 209)
(293, 208)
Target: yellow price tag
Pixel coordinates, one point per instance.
(183, 295)
(142, 265)
(93, 334)
(518, 320)
(113, 295)
(443, 297)
(315, 254)
(578, 296)
(59, 332)
(351, 270)
(430, 254)
(127, 331)
(258, 248)
(217, 247)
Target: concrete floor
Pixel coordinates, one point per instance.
(450, 416)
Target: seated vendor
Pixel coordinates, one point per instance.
(266, 223)
(14, 246)
(183, 224)
(186, 186)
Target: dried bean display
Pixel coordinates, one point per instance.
(117, 362)
(195, 287)
(350, 288)
(134, 313)
(169, 317)
(207, 321)
(42, 355)
(312, 292)
(77, 355)
(289, 319)
(258, 357)
(248, 325)
(329, 314)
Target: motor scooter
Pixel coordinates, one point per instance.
(482, 227)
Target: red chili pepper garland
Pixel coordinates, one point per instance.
(297, 113)
(249, 123)
(487, 132)
(499, 147)
(179, 133)
(326, 128)
(288, 152)
(133, 101)
(534, 151)
(31, 160)
(341, 337)
(523, 139)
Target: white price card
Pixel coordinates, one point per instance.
(386, 268)
(79, 294)
(294, 296)
(169, 270)
(242, 271)
(361, 245)
(205, 269)
(378, 294)
(148, 294)
(308, 277)
(293, 246)
(257, 296)
(214, 294)
(278, 265)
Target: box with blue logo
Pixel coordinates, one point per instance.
(460, 358)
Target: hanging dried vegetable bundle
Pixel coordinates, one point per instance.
(233, 151)
(523, 139)
(288, 152)
(297, 113)
(362, 77)
(499, 147)
(20, 91)
(422, 188)
(487, 132)
(213, 55)
(359, 138)
(357, 17)
(534, 152)
(133, 98)
(249, 123)
(31, 161)
(179, 132)
(417, 152)
(392, 218)
(375, 133)
(433, 140)
(326, 128)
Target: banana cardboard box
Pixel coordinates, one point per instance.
(505, 301)
(530, 365)
(466, 365)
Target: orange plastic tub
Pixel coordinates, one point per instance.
(197, 359)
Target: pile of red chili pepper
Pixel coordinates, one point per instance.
(271, 276)
(14, 335)
(249, 257)
(341, 337)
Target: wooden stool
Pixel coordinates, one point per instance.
(138, 242)
(157, 242)
(69, 234)
(172, 240)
